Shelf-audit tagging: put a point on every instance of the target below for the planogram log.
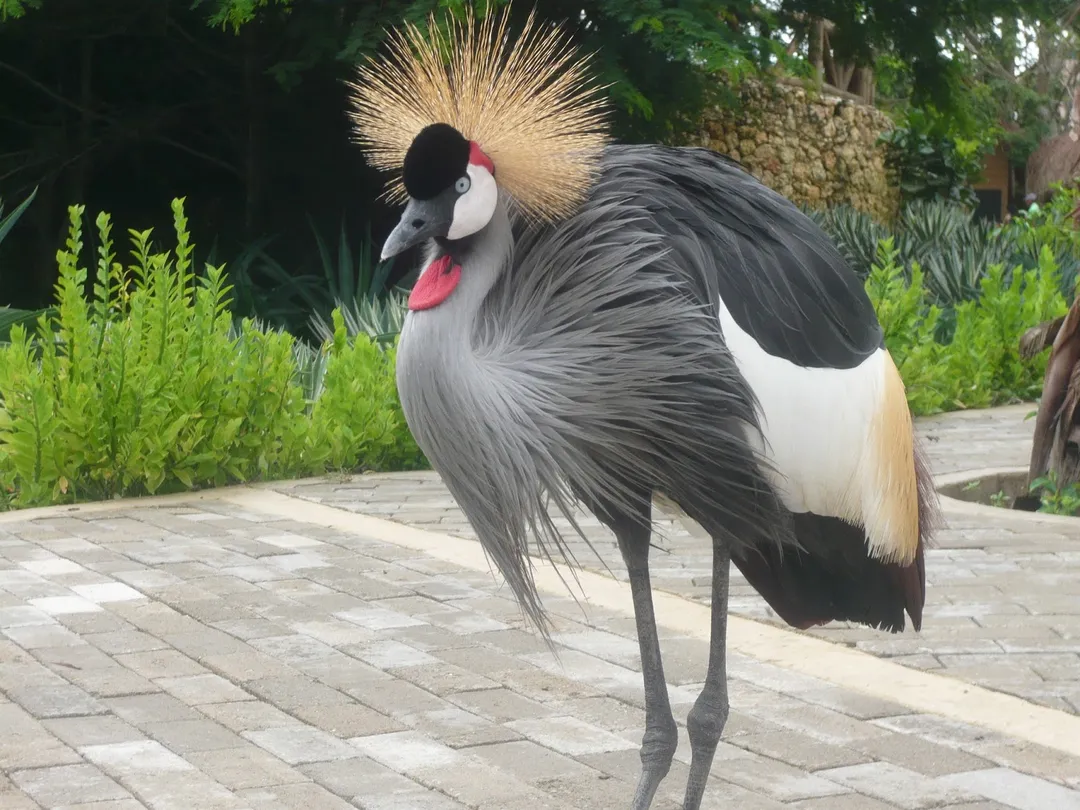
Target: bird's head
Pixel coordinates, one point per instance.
(451, 188)
(451, 107)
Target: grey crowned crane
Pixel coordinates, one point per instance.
(607, 324)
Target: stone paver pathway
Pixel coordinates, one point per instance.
(1003, 601)
(220, 653)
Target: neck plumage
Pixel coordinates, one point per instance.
(438, 370)
(471, 418)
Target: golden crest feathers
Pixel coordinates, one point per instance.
(527, 103)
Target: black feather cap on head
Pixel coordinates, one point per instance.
(437, 157)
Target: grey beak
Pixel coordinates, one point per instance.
(421, 220)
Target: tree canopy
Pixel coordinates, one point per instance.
(239, 104)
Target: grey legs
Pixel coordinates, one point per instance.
(661, 734)
(706, 720)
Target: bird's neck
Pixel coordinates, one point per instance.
(441, 375)
(482, 258)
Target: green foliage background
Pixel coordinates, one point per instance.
(151, 385)
(239, 105)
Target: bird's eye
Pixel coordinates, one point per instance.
(463, 184)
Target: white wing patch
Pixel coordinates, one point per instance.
(840, 443)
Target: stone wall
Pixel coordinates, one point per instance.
(812, 148)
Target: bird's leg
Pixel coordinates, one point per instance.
(661, 734)
(706, 719)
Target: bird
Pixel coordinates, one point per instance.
(619, 326)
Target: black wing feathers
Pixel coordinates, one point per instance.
(780, 276)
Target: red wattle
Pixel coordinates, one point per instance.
(435, 284)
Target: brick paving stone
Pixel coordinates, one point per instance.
(248, 716)
(905, 788)
(499, 705)
(800, 750)
(407, 751)
(358, 777)
(531, 762)
(73, 659)
(1014, 789)
(111, 681)
(198, 689)
(849, 801)
(124, 641)
(396, 698)
(117, 804)
(68, 784)
(925, 757)
(292, 797)
(34, 636)
(296, 744)
(160, 664)
(296, 691)
(473, 783)
(292, 649)
(390, 654)
(244, 767)
(183, 736)
(780, 781)
(92, 730)
(569, 735)
(445, 679)
(347, 719)
(25, 743)
(153, 708)
(11, 798)
(56, 701)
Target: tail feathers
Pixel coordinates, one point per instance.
(831, 577)
(930, 516)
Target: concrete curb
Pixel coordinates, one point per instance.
(959, 507)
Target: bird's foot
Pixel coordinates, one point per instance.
(646, 788)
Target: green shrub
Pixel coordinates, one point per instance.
(931, 160)
(909, 323)
(150, 387)
(979, 365)
(956, 250)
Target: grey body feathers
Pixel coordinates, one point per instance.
(586, 360)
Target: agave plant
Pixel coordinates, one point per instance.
(8, 316)
(310, 369)
(954, 253)
(8, 222)
(928, 222)
(378, 317)
(350, 279)
(855, 234)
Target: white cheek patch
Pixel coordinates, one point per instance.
(474, 208)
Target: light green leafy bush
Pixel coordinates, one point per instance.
(979, 365)
(149, 386)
